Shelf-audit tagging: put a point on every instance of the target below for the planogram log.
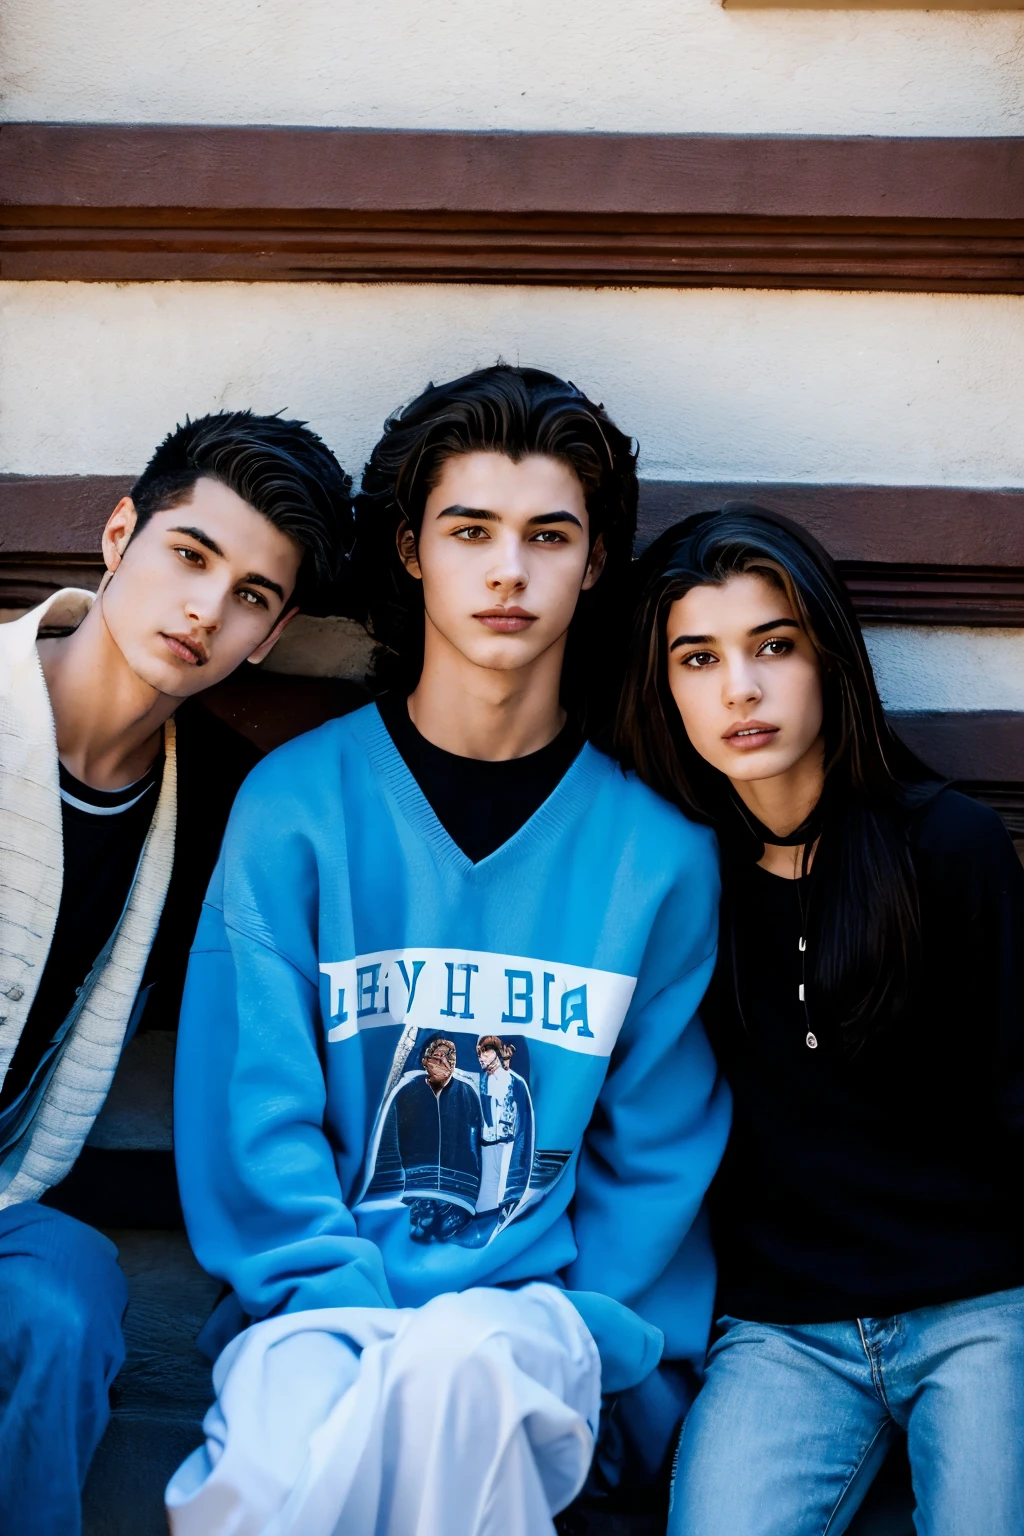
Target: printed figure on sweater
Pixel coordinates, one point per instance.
(454, 1146)
(428, 1154)
(508, 1130)
(460, 1139)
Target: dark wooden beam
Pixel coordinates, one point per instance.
(982, 752)
(985, 746)
(62, 515)
(983, 596)
(885, 538)
(865, 524)
(116, 202)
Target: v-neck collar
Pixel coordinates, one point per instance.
(560, 808)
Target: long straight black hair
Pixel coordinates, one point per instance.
(863, 914)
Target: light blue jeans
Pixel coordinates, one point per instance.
(792, 1423)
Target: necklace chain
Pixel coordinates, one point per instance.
(810, 1039)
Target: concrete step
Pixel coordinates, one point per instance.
(163, 1390)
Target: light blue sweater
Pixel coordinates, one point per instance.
(400, 1073)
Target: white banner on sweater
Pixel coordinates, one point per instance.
(571, 1006)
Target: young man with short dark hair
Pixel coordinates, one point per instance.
(448, 1260)
(110, 822)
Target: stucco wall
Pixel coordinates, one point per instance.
(668, 65)
(717, 384)
(947, 669)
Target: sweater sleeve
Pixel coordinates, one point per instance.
(258, 1179)
(655, 1141)
(1011, 1004)
(985, 880)
(972, 899)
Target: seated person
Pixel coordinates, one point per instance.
(110, 822)
(445, 1116)
(868, 1011)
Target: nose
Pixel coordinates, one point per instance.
(204, 607)
(739, 685)
(508, 574)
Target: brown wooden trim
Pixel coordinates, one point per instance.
(983, 596)
(61, 515)
(48, 517)
(983, 746)
(1006, 799)
(890, 524)
(115, 202)
(982, 752)
(874, 5)
(885, 538)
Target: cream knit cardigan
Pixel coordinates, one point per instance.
(31, 877)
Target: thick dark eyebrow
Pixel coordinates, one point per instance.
(201, 538)
(478, 512)
(254, 579)
(556, 517)
(760, 629)
(542, 519)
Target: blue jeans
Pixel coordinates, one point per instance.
(62, 1297)
(792, 1423)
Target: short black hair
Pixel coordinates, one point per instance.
(516, 412)
(281, 468)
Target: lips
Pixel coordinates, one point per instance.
(748, 735)
(185, 649)
(506, 621)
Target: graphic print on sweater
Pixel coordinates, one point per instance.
(456, 1138)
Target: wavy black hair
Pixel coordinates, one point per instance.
(516, 412)
(863, 911)
(281, 468)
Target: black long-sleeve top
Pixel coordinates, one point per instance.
(867, 1184)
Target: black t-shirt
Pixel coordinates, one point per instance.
(871, 1183)
(480, 804)
(103, 831)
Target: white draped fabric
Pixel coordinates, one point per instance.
(474, 1415)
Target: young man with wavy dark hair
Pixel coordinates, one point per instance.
(111, 814)
(448, 1265)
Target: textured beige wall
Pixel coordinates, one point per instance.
(648, 65)
(717, 384)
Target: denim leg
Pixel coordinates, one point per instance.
(62, 1297)
(955, 1375)
(785, 1435)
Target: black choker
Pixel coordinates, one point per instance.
(808, 831)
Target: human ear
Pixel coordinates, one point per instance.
(265, 647)
(405, 543)
(595, 565)
(119, 529)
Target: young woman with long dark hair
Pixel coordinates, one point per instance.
(868, 1012)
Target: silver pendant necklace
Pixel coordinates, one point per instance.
(810, 1039)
